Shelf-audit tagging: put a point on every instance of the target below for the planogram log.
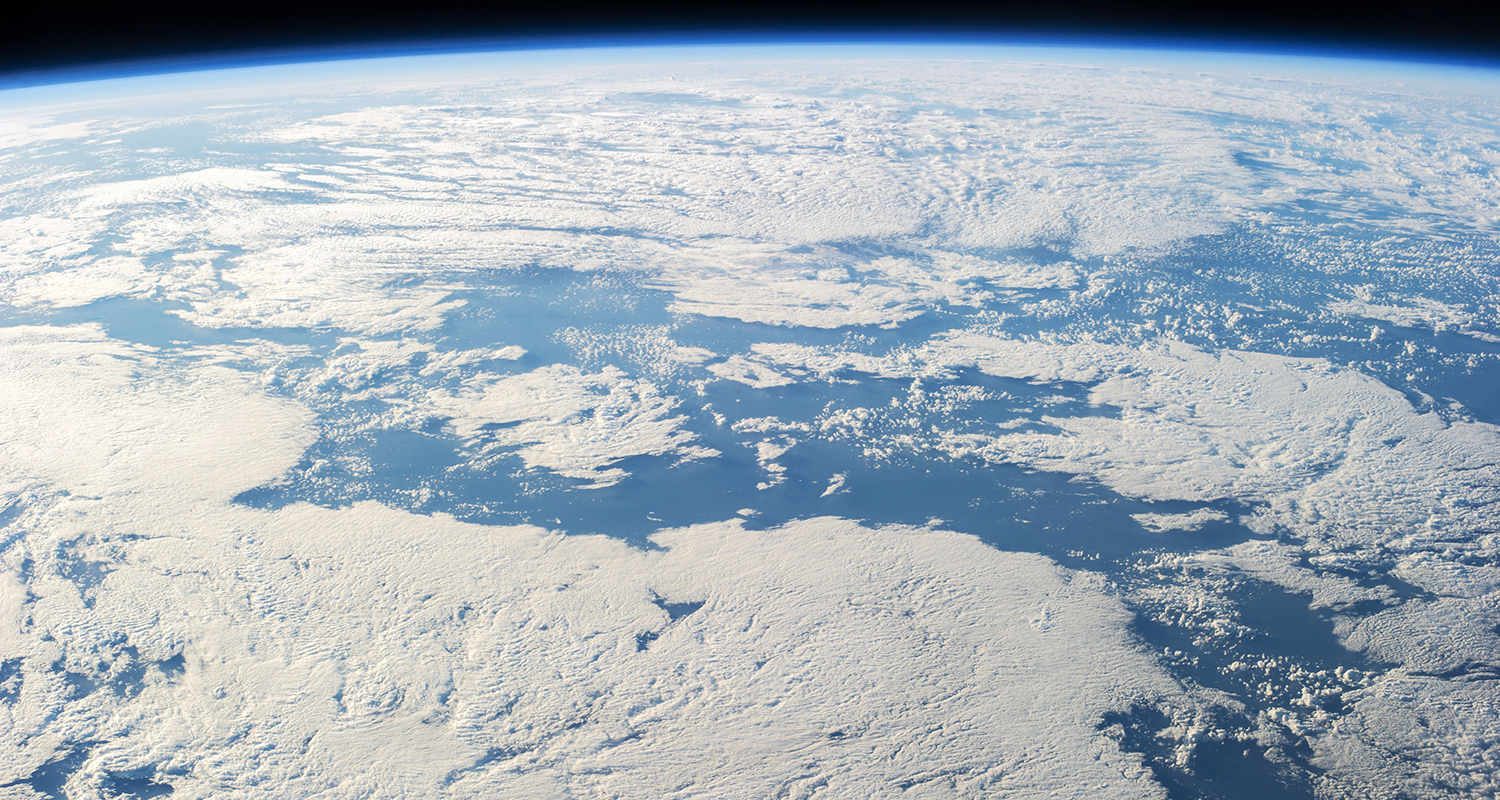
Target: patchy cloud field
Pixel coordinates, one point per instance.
(852, 423)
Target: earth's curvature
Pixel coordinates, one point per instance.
(748, 422)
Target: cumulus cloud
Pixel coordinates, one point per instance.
(574, 423)
(1188, 521)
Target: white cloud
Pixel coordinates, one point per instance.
(309, 286)
(23, 132)
(1416, 736)
(1417, 312)
(105, 277)
(817, 199)
(574, 423)
(746, 371)
(1187, 521)
(366, 651)
(829, 362)
(182, 188)
(1253, 426)
(1346, 466)
(108, 433)
(755, 293)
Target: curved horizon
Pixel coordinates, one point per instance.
(216, 60)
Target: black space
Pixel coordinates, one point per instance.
(44, 40)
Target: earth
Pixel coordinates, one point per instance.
(841, 421)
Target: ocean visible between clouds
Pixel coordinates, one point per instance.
(861, 422)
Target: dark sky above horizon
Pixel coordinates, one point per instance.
(47, 36)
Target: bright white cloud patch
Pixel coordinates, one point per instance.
(1189, 521)
(88, 415)
(102, 278)
(573, 423)
(739, 368)
(1324, 449)
(807, 298)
